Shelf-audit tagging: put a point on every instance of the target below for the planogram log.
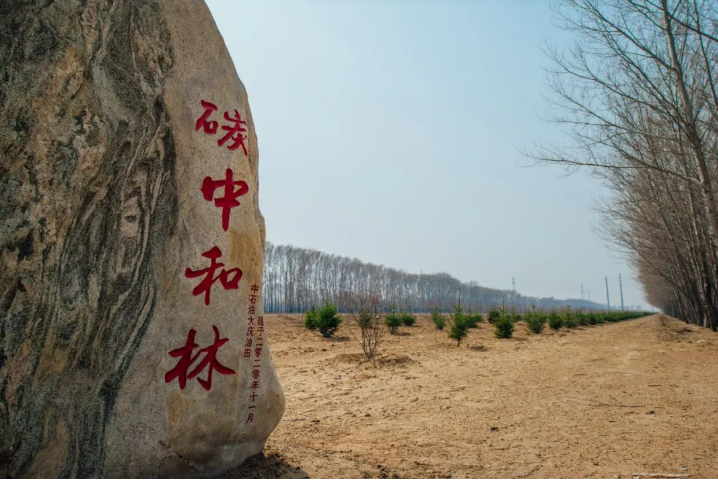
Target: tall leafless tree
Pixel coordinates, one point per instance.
(297, 278)
(637, 94)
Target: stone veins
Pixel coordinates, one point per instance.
(100, 175)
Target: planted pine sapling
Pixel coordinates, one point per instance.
(458, 325)
(327, 320)
(438, 319)
(310, 318)
(504, 326)
(393, 321)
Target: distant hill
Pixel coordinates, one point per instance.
(573, 302)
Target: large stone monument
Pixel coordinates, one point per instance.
(132, 340)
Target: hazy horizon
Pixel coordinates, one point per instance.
(391, 131)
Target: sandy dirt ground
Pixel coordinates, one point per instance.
(637, 399)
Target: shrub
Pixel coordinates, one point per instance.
(582, 319)
(504, 326)
(554, 321)
(493, 315)
(515, 316)
(473, 319)
(310, 318)
(327, 320)
(370, 327)
(535, 321)
(393, 320)
(407, 319)
(458, 326)
(365, 309)
(438, 319)
(364, 319)
(569, 321)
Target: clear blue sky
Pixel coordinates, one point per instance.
(390, 131)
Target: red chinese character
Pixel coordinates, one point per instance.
(186, 360)
(247, 352)
(255, 385)
(225, 277)
(236, 132)
(253, 396)
(229, 201)
(248, 343)
(208, 126)
(250, 417)
(255, 373)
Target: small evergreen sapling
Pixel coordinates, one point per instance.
(569, 320)
(458, 325)
(535, 321)
(328, 320)
(310, 318)
(494, 315)
(393, 321)
(554, 321)
(504, 326)
(407, 319)
(473, 319)
(438, 319)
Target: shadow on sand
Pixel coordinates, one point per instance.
(339, 339)
(261, 466)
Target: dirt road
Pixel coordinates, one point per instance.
(619, 400)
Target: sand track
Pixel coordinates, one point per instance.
(607, 401)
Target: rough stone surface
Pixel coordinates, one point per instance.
(101, 208)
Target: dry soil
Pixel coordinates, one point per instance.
(633, 399)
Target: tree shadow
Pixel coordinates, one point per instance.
(261, 466)
(339, 339)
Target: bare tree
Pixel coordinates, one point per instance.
(366, 312)
(637, 94)
(297, 278)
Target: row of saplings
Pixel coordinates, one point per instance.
(326, 319)
(504, 321)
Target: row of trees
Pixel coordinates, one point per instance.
(638, 93)
(295, 279)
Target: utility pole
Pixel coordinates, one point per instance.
(589, 294)
(608, 300)
(513, 284)
(581, 292)
(620, 284)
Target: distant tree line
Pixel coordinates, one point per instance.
(295, 279)
(638, 94)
